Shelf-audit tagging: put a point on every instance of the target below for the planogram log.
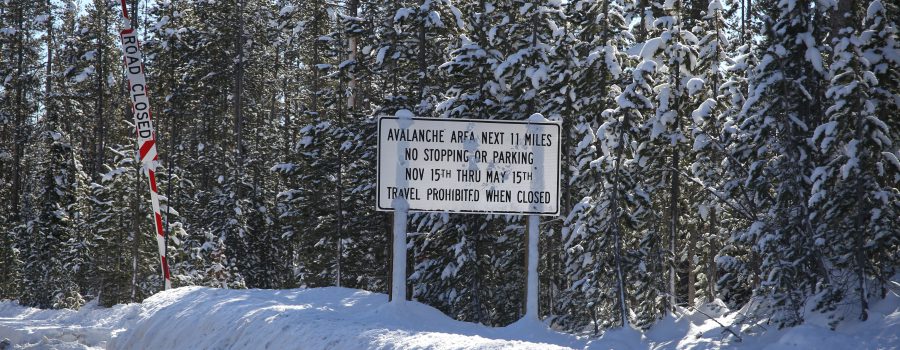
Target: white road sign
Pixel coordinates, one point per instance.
(468, 166)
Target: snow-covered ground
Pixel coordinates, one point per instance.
(341, 318)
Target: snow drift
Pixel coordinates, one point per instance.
(341, 318)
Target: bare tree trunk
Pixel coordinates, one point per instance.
(289, 129)
(48, 84)
(18, 128)
(100, 131)
(745, 26)
(352, 47)
(239, 99)
(712, 271)
(692, 274)
(617, 231)
(674, 192)
(170, 169)
(135, 23)
(339, 227)
(675, 188)
(135, 239)
(317, 18)
(352, 42)
(743, 20)
(642, 26)
(604, 69)
(847, 7)
(859, 253)
(423, 74)
(116, 286)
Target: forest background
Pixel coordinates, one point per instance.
(736, 150)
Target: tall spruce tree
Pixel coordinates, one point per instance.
(780, 160)
(854, 207)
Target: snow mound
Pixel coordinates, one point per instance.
(320, 318)
(91, 327)
(342, 318)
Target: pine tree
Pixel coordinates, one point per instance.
(51, 248)
(602, 37)
(779, 159)
(127, 263)
(879, 47)
(707, 130)
(855, 209)
(624, 205)
(675, 49)
(736, 262)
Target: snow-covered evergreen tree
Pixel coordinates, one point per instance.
(707, 152)
(50, 244)
(782, 104)
(602, 40)
(855, 208)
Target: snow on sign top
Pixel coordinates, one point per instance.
(468, 166)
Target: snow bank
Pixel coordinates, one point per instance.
(341, 318)
(321, 318)
(91, 327)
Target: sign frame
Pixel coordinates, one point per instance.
(558, 125)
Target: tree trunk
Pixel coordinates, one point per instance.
(18, 128)
(617, 232)
(674, 192)
(691, 271)
(352, 9)
(100, 131)
(675, 188)
(238, 100)
(48, 84)
(170, 169)
(712, 270)
(317, 18)
(860, 225)
(423, 74)
(859, 253)
(135, 237)
(642, 26)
